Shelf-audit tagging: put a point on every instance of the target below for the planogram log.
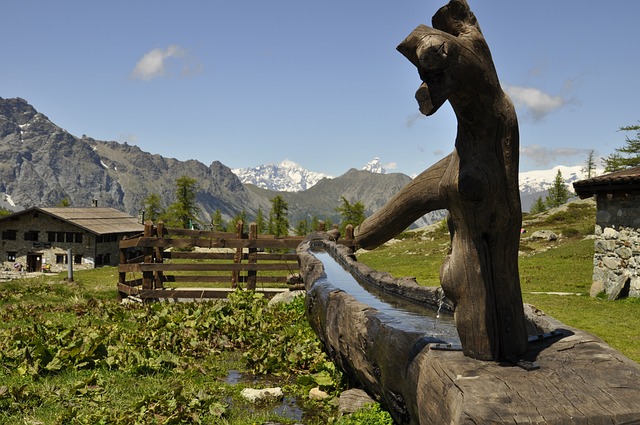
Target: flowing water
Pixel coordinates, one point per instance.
(400, 313)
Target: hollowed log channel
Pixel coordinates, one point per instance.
(381, 340)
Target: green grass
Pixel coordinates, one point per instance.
(71, 354)
(565, 265)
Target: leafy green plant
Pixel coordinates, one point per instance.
(73, 360)
(370, 415)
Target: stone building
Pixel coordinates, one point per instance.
(616, 260)
(38, 239)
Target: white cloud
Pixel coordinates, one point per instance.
(390, 166)
(542, 156)
(537, 103)
(155, 63)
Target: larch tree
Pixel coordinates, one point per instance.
(350, 213)
(278, 221)
(217, 222)
(153, 207)
(261, 224)
(558, 192)
(538, 206)
(184, 211)
(302, 228)
(589, 169)
(626, 156)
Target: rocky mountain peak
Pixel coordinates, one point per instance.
(374, 166)
(286, 176)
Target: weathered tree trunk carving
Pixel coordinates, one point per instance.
(477, 183)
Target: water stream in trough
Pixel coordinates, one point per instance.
(400, 313)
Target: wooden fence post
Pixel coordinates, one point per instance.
(237, 258)
(159, 276)
(252, 257)
(147, 252)
(350, 242)
(122, 276)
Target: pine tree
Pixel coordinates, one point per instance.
(278, 221)
(302, 228)
(558, 193)
(232, 225)
(261, 225)
(315, 223)
(538, 206)
(153, 207)
(217, 222)
(626, 156)
(183, 212)
(589, 169)
(351, 213)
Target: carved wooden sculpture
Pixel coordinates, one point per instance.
(477, 183)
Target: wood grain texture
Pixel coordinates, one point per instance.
(581, 380)
(477, 183)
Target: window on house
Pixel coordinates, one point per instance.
(99, 260)
(61, 258)
(70, 237)
(77, 259)
(106, 259)
(31, 235)
(11, 255)
(9, 235)
(78, 238)
(113, 237)
(51, 236)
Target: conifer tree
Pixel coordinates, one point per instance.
(232, 225)
(261, 225)
(558, 193)
(538, 206)
(589, 169)
(217, 222)
(351, 213)
(153, 207)
(183, 212)
(278, 221)
(626, 156)
(302, 228)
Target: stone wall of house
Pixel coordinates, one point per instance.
(53, 253)
(616, 268)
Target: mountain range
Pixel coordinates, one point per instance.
(41, 165)
(288, 176)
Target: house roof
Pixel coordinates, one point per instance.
(619, 181)
(100, 221)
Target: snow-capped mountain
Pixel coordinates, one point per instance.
(375, 166)
(533, 182)
(287, 176)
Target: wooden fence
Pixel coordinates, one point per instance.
(148, 270)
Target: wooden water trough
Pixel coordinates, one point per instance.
(566, 376)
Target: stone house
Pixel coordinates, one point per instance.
(38, 239)
(616, 260)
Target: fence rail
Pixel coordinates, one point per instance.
(161, 256)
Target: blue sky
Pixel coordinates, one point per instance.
(319, 83)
